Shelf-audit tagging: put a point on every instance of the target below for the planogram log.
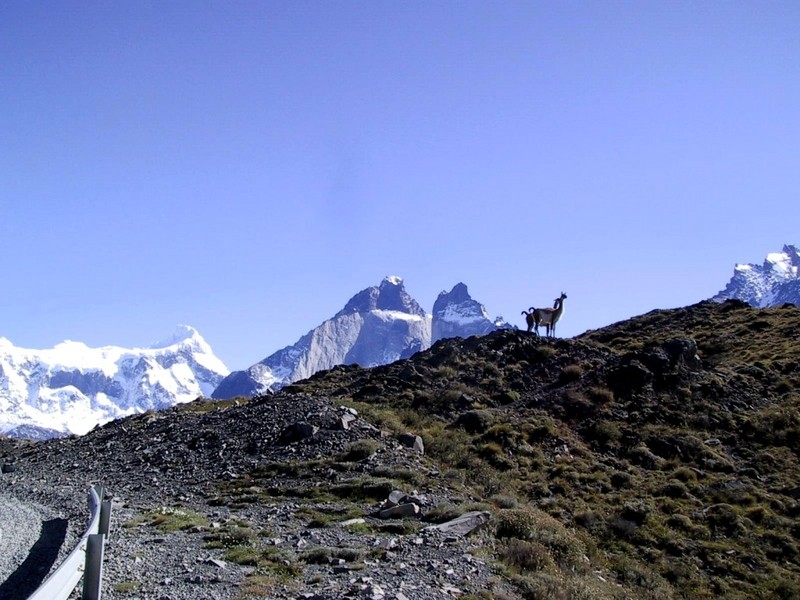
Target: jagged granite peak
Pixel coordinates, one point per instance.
(775, 282)
(72, 387)
(456, 314)
(391, 295)
(379, 325)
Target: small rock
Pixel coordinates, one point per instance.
(396, 497)
(387, 543)
(449, 590)
(339, 569)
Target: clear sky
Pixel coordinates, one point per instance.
(247, 167)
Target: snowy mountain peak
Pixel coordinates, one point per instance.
(456, 314)
(392, 280)
(181, 333)
(773, 282)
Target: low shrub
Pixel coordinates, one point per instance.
(359, 450)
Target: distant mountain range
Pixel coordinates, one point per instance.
(377, 326)
(71, 388)
(773, 283)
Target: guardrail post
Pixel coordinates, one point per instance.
(105, 517)
(93, 572)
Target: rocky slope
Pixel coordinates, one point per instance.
(280, 497)
(666, 445)
(655, 458)
(71, 388)
(775, 282)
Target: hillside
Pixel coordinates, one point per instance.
(667, 445)
(655, 458)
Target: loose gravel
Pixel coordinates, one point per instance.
(208, 459)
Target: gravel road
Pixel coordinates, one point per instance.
(33, 540)
(20, 528)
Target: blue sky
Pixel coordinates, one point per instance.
(247, 167)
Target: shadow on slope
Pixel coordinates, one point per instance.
(33, 571)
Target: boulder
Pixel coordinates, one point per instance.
(398, 497)
(398, 512)
(463, 525)
(683, 350)
(409, 440)
(343, 422)
(296, 432)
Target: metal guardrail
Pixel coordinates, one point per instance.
(85, 560)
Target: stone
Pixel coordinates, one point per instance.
(409, 440)
(629, 378)
(297, 432)
(343, 422)
(399, 511)
(463, 525)
(683, 350)
(396, 497)
(339, 569)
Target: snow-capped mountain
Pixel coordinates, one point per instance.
(71, 388)
(456, 314)
(379, 325)
(773, 283)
